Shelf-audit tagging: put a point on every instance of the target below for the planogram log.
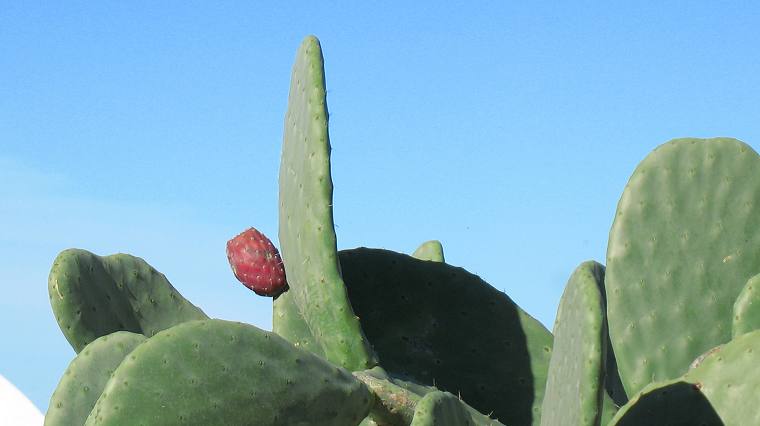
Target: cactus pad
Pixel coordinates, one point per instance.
(609, 409)
(673, 403)
(575, 383)
(438, 325)
(86, 376)
(93, 296)
(307, 234)
(728, 376)
(444, 409)
(747, 308)
(288, 323)
(219, 372)
(430, 250)
(684, 242)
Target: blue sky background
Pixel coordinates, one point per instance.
(507, 131)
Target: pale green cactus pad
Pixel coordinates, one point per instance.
(430, 250)
(685, 239)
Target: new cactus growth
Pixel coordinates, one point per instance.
(430, 250)
(377, 338)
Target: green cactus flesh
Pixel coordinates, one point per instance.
(93, 296)
(575, 383)
(288, 322)
(747, 308)
(436, 324)
(672, 402)
(444, 409)
(430, 250)
(86, 376)
(214, 372)
(720, 388)
(683, 244)
(307, 235)
(730, 380)
(609, 409)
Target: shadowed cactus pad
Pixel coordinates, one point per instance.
(434, 323)
(214, 372)
(685, 239)
(93, 296)
(673, 403)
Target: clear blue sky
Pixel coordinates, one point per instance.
(506, 131)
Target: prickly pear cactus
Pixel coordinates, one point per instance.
(747, 308)
(682, 246)
(729, 379)
(307, 233)
(420, 317)
(376, 338)
(672, 402)
(444, 409)
(87, 375)
(430, 250)
(575, 385)
(194, 374)
(93, 296)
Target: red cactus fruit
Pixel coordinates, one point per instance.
(256, 263)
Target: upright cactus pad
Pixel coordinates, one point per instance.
(288, 323)
(437, 324)
(430, 250)
(86, 376)
(747, 308)
(685, 239)
(575, 385)
(93, 296)
(214, 372)
(307, 234)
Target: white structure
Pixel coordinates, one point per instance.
(15, 408)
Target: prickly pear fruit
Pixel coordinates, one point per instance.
(256, 263)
